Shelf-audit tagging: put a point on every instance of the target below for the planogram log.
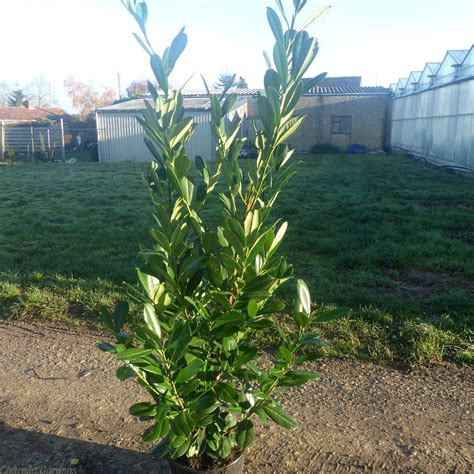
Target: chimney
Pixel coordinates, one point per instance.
(27, 104)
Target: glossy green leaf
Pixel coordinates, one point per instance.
(304, 296)
(157, 431)
(142, 409)
(124, 373)
(252, 308)
(176, 49)
(275, 24)
(120, 315)
(134, 354)
(159, 71)
(245, 434)
(189, 371)
(280, 417)
(151, 319)
(296, 378)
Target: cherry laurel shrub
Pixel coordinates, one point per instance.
(207, 291)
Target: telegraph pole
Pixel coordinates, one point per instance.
(119, 79)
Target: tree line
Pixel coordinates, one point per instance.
(85, 96)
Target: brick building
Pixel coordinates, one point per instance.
(339, 111)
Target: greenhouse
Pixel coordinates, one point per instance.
(433, 112)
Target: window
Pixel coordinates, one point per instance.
(341, 124)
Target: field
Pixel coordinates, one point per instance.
(389, 237)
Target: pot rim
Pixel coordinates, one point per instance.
(219, 469)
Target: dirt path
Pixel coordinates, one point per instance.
(60, 401)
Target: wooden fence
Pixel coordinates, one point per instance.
(32, 141)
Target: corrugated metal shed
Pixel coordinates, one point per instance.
(121, 137)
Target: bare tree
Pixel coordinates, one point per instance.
(5, 91)
(39, 91)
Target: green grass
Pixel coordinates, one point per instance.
(389, 237)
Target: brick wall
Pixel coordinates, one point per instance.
(368, 112)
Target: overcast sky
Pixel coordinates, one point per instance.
(380, 40)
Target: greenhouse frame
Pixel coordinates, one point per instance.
(433, 112)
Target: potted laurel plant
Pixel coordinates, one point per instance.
(207, 290)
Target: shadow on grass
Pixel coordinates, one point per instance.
(23, 449)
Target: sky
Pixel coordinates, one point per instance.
(380, 40)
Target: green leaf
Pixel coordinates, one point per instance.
(151, 319)
(316, 17)
(245, 434)
(281, 418)
(311, 356)
(246, 354)
(123, 373)
(188, 372)
(296, 378)
(157, 431)
(227, 392)
(290, 128)
(308, 85)
(272, 80)
(232, 317)
(281, 63)
(106, 347)
(187, 188)
(176, 49)
(107, 320)
(312, 340)
(267, 59)
(134, 354)
(275, 24)
(142, 409)
(278, 239)
(204, 405)
(266, 113)
(161, 449)
(141, 11)
(159, 70)
(332, 315)
(252, 308)
(304, 296)
(200, 163)
(161, 239)
(302, 319)
(282, 10)
(185, 126)
(182, 165)
(179, 340)
(121, 315)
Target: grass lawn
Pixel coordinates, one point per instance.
(389, 237)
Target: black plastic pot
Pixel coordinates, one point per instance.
(236, 467)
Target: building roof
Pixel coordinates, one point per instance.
(198, 100)
(318, 90)
(343, 81)
(29, 115)
(191, 103)
(457, 65)
(348, 90)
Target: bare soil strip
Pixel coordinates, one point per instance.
(60, 403)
